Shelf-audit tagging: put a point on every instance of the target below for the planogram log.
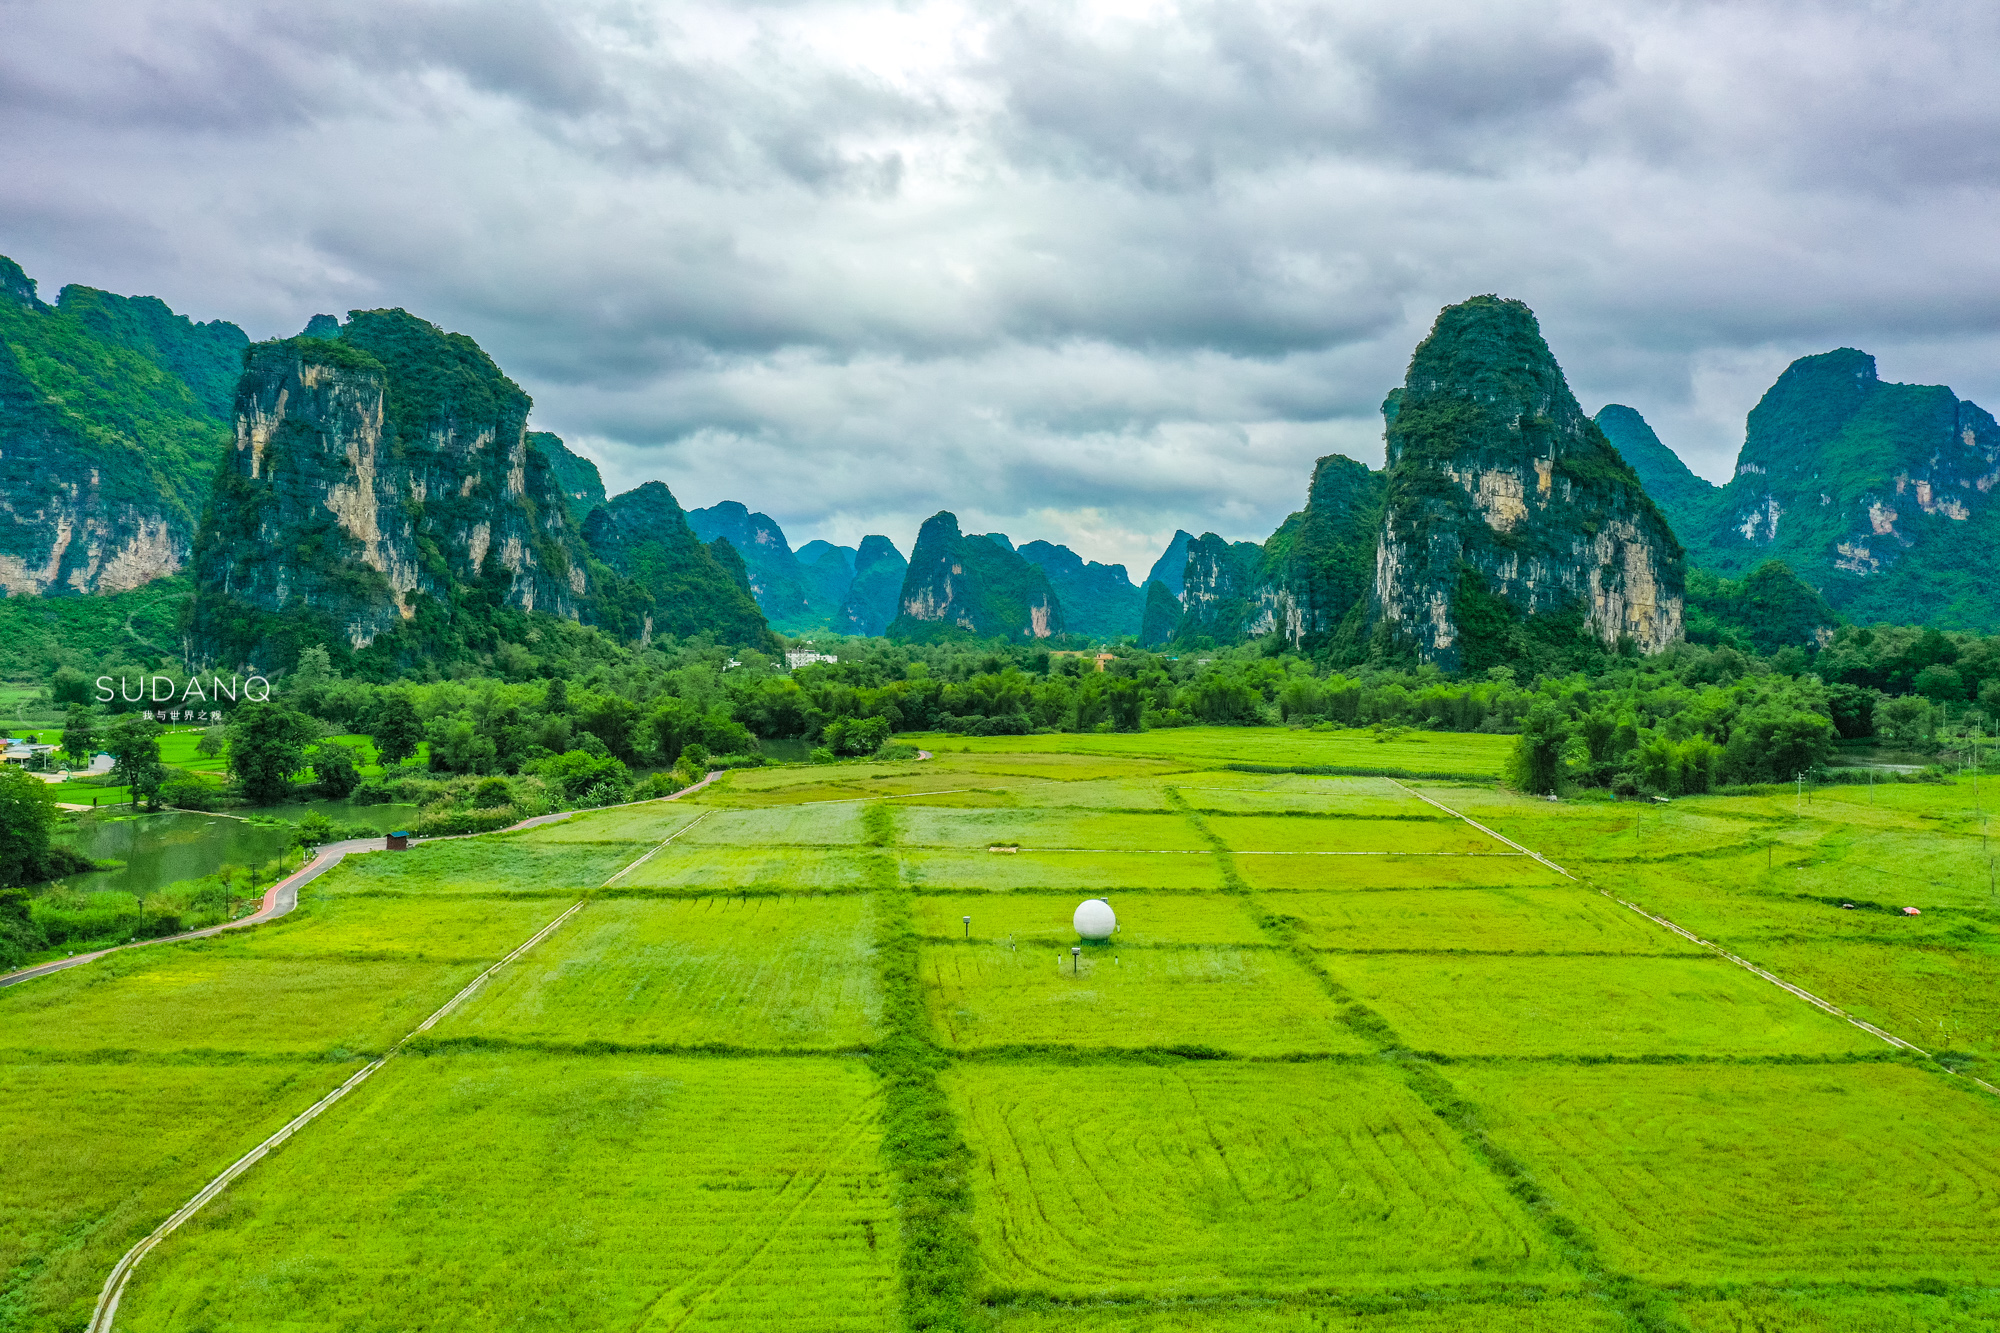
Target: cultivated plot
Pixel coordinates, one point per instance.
(1843, 1311)
(649, 822)
(1570, 919)
(1197, 1178)
(1047, 830)
(1263, 794)
(1457, 754)
(1305, 835)
(425, 930)
(804, 825)
(1083, 872)
(97, 1154)
(486, 865)
(774, 973)
(192, 997)
(522, 1191)
(1453, 1313)
(1942, 999)
(1573, 1005)
(1701, 1173)
(1046, 918)
(686, 867)
(1245, 1000)
(1388, 871)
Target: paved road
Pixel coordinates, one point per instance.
(283, 896)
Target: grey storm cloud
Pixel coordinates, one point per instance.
(1088, 272)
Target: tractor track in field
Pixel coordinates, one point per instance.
(283, 897)
(1824, 1005)
(121, 1273)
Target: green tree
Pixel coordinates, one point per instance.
(1539, 761)
(267, 745)
(306, 688)
(457, 747)
(69, 686)
(397, 730)
(19, 935)
(211, 742)
(134, 743)
(27, 818)
(314, 830)
(79, 738)
(334, 773)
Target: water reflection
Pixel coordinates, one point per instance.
(162, 849)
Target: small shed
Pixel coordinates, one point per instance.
(399, 842)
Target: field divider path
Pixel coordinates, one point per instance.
(121, 1273)
(1825, 1005)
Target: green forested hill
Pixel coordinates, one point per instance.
(1098, 600)
(962, 585)
(1880, 495)
(673, 584)
(582, 488)
(113, 416)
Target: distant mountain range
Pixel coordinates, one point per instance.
(372, 485)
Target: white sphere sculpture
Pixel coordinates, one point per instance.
(1094, 919)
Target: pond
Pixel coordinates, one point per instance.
(162, 849)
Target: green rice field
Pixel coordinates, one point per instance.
(820, 1049)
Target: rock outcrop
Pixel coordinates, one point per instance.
(380, 497)
(1879, 495)
(1225, 594)
(961, 585)
(111, 425)
(1097, 600)
(658, 578)
(1510, 520)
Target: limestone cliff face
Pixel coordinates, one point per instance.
(380, 495)
(1225, 594)
(108, 436)
(1881, 496)
(960, 585)
(1305, 582)
(1509, 516)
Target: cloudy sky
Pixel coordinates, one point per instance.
(1082, 272)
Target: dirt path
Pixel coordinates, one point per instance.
(282, 897)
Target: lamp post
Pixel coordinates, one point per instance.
(1075, 955)
(968, 926)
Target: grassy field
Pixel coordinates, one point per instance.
(773, 973)
(97, 1154)
(1246, 1001)
(1199, 1179)
(530, 1191)
(1348, 1064)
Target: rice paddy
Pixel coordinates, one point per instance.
(1348, 1063)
